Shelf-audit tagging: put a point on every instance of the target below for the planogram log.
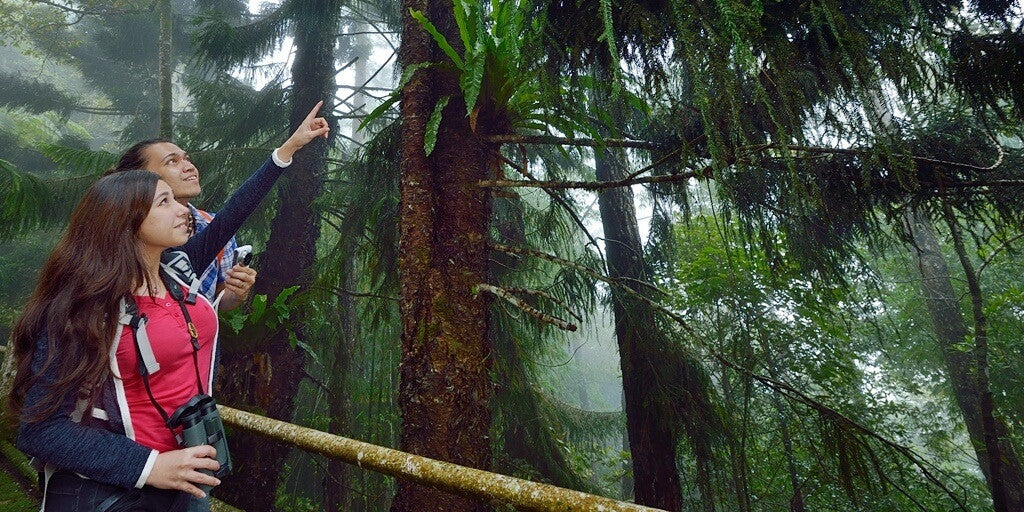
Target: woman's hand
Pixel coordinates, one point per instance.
(179, 469)
(310, 128)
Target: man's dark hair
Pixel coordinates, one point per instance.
(132, 157)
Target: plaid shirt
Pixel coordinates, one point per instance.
(217, 272)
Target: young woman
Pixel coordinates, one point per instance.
(89, 399)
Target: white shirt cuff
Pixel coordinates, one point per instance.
(278, 161)
(147, 469)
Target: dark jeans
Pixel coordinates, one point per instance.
(67, 492)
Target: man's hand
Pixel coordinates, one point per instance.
(179, 469)
(237, 286)
(310, 128)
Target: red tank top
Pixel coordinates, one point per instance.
(175, 382)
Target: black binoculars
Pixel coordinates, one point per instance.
(200, 424)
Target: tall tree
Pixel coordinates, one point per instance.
(267, 375)
(1004, 474)
(165, 68)
(444, 389)
(662, 387)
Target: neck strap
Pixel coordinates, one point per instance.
(148, 364)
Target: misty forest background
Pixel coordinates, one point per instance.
(703, 255)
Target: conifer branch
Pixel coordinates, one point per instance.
(572, 141)
(785, 389)
(706, 171)
(918, 159)
(87, 12)
(596, 275)
(1004, 245)
(556, 198)
(548, 296)
(593, 185)
(530, 310)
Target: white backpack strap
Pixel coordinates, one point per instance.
(137, 323)
(48, 471)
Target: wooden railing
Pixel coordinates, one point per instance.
(453, 478)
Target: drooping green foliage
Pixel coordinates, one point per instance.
(776, 100)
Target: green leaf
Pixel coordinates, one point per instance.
(430, 138)
(438, 38)
(281, 302)
(460, 20)
(81, 162)
(294, 341)
(24, 201)
(379, 111)
(259, 307)
(395, 96)
(237, 321)
(473, 78)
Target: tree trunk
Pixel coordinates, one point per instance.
(338, 480)
(266, 377)
(362, 47)
(796, 501)
(626, 484)
(737, 445)
(652, 436)
(444, 389)
(970, 387)
(165, 71)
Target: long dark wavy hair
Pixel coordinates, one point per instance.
(75, 306)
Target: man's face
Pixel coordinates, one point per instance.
(174, 167)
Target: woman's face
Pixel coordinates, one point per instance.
(166, 225)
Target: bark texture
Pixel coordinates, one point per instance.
(649, 425)
(444, 389)
(267, 376)
(1003, 473)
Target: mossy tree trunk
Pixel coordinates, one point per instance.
(444, 389)
(266, 376)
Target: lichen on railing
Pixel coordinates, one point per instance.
(483, 485)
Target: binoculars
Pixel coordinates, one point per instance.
(200, 424)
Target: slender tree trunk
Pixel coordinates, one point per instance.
(626, 485)
(267, 376)
(796, 502)
(444, 389)
(165, 68)
(652, 436)
(362, 47)
(737, 449)
(986, 403)
(338, 480)
(1002, 469)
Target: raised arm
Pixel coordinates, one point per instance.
(203, 247)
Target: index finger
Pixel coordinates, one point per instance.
(312, 113)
